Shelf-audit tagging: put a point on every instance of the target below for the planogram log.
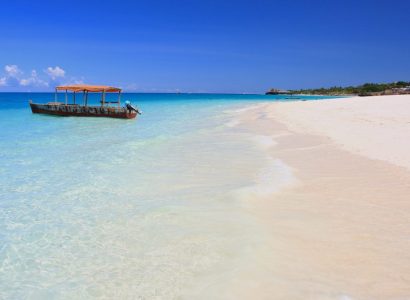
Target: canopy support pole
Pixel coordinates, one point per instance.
(119, 99)
(55, 96)
(66, 100)
(83, 98)
(74, 98)
(86, 98)
(103, 98)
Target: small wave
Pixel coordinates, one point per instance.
(264, 141)
(272, 178)
(242, 109)
(233, 123)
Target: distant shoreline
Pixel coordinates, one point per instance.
(367, 89)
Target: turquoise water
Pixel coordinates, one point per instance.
(105, 208)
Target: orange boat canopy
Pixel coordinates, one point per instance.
(88, 88)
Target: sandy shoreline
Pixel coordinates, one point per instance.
(341, 232)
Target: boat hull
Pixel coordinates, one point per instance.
(59, 109)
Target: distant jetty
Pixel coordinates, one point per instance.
(278, 92)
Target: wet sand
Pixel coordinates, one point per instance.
(341, 228)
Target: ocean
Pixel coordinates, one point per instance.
(151, 208)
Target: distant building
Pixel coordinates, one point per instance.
(277, 92)
(403, 90)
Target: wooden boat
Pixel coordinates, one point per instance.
(84, 110)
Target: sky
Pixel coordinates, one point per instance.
(205, 46)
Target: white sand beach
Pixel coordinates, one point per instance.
(341, 229)
(376, 127)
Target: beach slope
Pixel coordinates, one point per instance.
(340, 229)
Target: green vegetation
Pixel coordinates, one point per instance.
(365, 89)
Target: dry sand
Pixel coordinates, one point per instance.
(376, 127)
(342, 229)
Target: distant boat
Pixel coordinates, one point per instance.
(84, 110)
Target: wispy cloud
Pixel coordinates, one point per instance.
(33, 80)
(12, 71)
(73, 80)
(15, 78)
(55, 72)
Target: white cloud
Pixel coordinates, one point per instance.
(73, 80)
(33, 80)
(55, 72)
(26, 82)
(12, 70)
(14, 78)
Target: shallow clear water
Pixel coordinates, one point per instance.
(105, 208)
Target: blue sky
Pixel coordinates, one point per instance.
(203, 46)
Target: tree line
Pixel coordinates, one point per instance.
(364, 89)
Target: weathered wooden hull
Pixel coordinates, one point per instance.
(59, 109)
